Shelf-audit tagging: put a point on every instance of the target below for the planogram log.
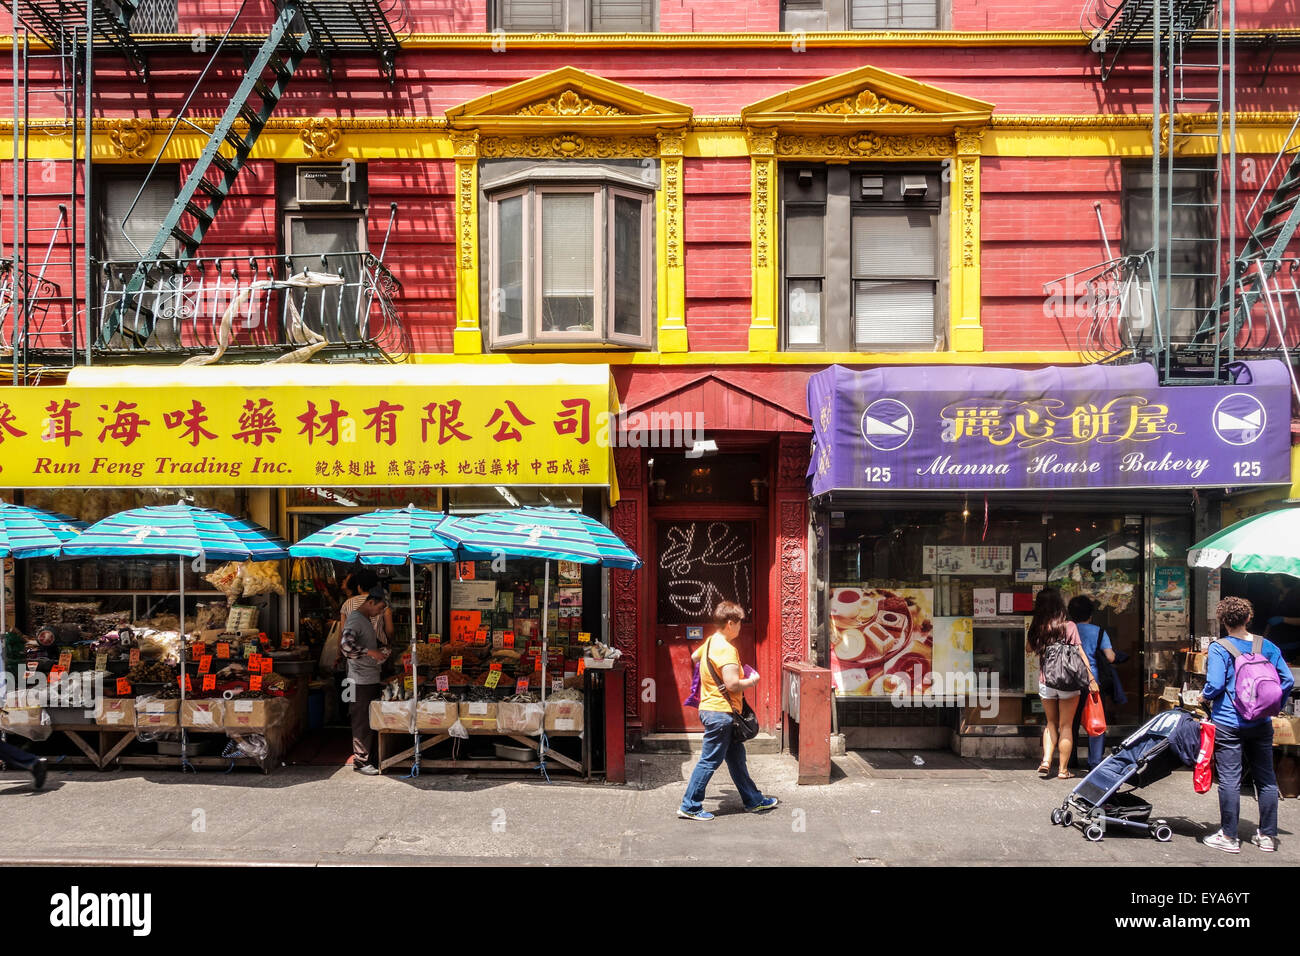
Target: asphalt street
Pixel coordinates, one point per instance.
(881, 809)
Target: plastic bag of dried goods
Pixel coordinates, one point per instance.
(261, 577)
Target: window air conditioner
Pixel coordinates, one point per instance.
(324, 186)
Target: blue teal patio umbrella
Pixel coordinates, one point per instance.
(547, 533)
(407, 536)
(181, 531)
(29, 533)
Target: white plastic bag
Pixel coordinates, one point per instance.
(458, 731)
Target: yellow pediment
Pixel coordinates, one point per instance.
(867, 98)
(568, 98)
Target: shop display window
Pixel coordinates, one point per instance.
(940, 601)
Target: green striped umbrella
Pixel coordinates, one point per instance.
(1267, 543)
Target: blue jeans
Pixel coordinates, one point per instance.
(718, 746)
(15, 758)
(1096, 750)
(1255, 746)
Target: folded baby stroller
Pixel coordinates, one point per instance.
(1151, 753)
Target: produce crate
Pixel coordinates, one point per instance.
(254, 716)
(116, 712)
(152, 714)
(21, 720)
(564, 715)
(520, 718)
(436, 714)
(390, 715)
(204, 715)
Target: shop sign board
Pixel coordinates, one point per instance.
(1095, 427)
(78, 437)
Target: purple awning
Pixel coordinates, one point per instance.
(944, 428)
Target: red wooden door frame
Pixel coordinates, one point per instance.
(766, 646)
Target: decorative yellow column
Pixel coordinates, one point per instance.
(672, 235)
(468, 337)
(964, 294)
(762, 325)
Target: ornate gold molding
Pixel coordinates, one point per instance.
(763, 213)
(864, 146)
(865, 103)
(130, 137)
(465, 145)
(569, 103)
(321, 136)
(568, 146)
(969, 141)
(762, 142)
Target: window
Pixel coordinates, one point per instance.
(569, 262)
(154, 16)
(862, 254)
(574, 16)
(823, 15)
(123, 237)
(1193, 231)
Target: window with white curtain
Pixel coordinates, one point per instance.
(570, 263)
(862, 257)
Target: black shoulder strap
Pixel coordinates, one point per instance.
(717, 678)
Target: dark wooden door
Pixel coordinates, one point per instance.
(698, 563)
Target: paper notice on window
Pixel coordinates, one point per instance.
(986, 602)
(1006, 603)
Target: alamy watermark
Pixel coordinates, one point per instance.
(651, 430)
(950, 689)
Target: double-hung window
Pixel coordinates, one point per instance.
(862, 257)
(574, 16)
(834, 15)
(570, 263)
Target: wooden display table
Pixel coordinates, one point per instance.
(405, 758)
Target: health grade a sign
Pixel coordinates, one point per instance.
(542, 434)
(960, 429)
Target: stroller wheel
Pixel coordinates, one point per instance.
(1094, 833)
(1056, 817)
(1163, 833)
(1067, 818)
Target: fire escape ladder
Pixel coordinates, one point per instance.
(56, 21)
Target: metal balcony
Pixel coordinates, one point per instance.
(1107, 312)
(273, 308)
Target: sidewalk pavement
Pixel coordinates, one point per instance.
(879, 810)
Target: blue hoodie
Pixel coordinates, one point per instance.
(1220, 678)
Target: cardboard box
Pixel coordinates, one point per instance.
(152, 714)
(436, 714)
(391, 715)
(1286, 731)
(482, 710)
(1004, 710)
(479, 725)
(564, 715)
(209, 715)
(254, 716)
(116, 712)
(20, 719)
(520, 718)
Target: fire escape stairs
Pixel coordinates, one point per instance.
(59, 23)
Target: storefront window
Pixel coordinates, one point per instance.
(939, 601)
(473, 499)
(429, 498)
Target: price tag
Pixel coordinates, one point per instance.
(135, 656)
(537, 665)
(223, 650)
(123, 686)
(209, 682)
(493, 679)
(481, 636)
(443, 683)
(495, 666)
(409, 683)
(434, 639)
(582, 666)
(584, 637)
(56, 673)
(508, 639)
(184, 681)
(557, 685)
(65, 659)
(465, 570)
(266, 665)
(457, 663)
(101, 661)
(532, 602)
(255, 683)
(521, 685)
(255, 664)
(286, 641)
(205, 663)
(250, 651)
(197, 651)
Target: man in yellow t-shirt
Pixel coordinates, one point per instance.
(718, 655)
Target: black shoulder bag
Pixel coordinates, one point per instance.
(744, 722)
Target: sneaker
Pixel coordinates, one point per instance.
(1220, 842)
(1265, 842)
(769, 803)
(703, 815)
(366, 768)
(39, 771)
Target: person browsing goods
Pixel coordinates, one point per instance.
(365, 654)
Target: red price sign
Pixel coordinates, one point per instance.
(205, 663)
(123, 686)
(135, 656)
(65, 660)
(457, 663)
(286, 642)
(582, 666)
(521, 685)
(199, 650)
(255, 683)
(223, 650)
(495, 666)
(255, 663)
(508, 639)
(537, 665)
(481, 636)
(209, 682)
(266, 665)
(184, 681)
(56, 673)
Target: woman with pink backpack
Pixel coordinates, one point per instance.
(1247, 682)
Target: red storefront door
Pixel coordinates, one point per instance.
(701, 557)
